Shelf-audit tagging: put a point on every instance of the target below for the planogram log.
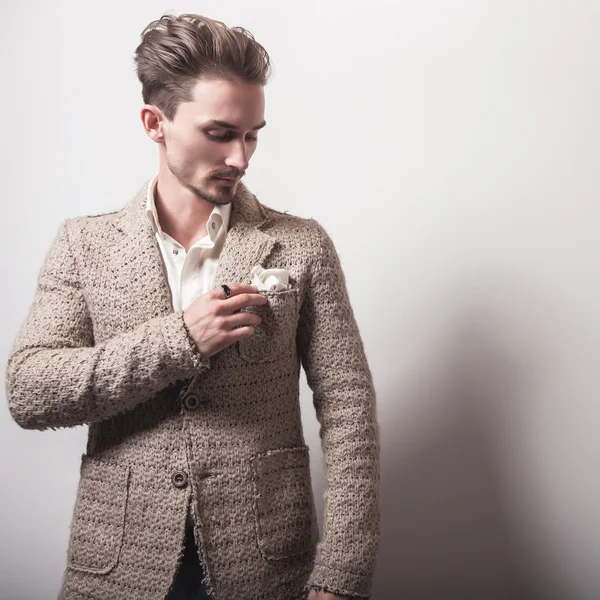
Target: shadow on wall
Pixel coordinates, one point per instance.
(447, 531)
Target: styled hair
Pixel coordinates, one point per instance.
(176, 51)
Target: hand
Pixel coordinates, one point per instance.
(211, 317)
(320, 595)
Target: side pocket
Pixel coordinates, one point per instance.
(99, 516)
(285, 513)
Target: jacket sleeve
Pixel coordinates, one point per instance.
(57, 377)
(338, 374)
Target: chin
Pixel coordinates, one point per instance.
(214, 191)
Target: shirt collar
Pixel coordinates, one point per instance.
(219, 217)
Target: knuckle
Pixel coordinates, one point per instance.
(215, 309)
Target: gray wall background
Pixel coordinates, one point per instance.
(451, 150)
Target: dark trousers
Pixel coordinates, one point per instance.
(187, 584)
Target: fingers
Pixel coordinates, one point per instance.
(234, 335)
(241, 318)
(242, 295)
(236, 288)
(237, 326)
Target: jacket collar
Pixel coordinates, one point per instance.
(245, 207)
(246, 245)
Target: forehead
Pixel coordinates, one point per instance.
(234, 101)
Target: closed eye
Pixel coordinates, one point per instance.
(228, 137)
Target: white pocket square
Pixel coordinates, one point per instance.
(272, 280)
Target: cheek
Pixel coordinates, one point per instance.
(194, 149)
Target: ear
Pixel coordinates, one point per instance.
(153, 121)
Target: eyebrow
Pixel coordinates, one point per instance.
(226, 125)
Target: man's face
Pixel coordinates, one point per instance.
(208, 144)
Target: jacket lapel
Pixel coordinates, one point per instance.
(137, 262)
(246, 244)
(147, 284)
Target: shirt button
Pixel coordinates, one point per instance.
(191, 402)
(179, 479)
(213, 225)
(175, 251)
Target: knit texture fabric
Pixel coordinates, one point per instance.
(102, 346)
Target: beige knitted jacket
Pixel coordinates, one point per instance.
(102, 346)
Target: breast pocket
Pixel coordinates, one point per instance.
(99, 517)
(275, 336)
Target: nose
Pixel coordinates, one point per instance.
(238, 156)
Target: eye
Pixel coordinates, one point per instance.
(220, 138)
(229, 136)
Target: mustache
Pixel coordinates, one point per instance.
(228, 174)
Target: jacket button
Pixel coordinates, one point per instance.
(179, 479)
(191, 402)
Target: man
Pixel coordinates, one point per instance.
(150, 325)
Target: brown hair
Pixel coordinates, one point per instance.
(178, 50)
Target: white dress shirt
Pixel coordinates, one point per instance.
(190, 274)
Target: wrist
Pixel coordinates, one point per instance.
(197, 355)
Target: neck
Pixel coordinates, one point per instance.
(181, 213)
